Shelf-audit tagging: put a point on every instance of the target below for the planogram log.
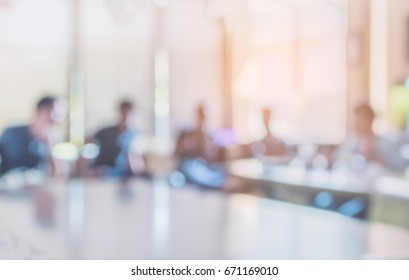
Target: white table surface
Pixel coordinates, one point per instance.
(98, 219)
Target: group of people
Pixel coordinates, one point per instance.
(30, 146)
(361, 143)
(199, 157)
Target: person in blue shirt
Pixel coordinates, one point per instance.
(29, 146)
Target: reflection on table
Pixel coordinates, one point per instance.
(139, 219)
(340, 190)
(390, 202)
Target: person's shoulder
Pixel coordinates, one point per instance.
(185, 133)
(187, 130)
(107, 130)
(13, 133)
(16, 129)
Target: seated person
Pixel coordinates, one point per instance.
(115, 157)
(197, 143)
(269, 145)
(198, 155)
(29, 146)
(363, 141)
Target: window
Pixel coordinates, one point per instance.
(295, 63)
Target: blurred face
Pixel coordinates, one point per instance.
(54, 113)
(48, 114)
(126, 115)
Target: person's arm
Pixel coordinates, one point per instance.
(210, 150)
(83, 165)
(375, 155)
(56, 168)
(137, 162)
(136, 154)
(179, 150)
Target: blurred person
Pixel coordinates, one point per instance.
(116, 157)
(198, 156)
(197, 142)
(30, 146)
(363, 143)
(269, 145)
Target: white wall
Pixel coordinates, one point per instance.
(195, 45)
(117, 62)
(33, 51)
(398, 41)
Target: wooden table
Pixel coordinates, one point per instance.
(139, 219)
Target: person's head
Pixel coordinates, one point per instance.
(201, 116)
(267, 116)
(364, 118)
(46, 110)
(126, 109)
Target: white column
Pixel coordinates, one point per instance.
(379, 55)
(75, 92)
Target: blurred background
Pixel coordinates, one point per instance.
(237, 56)
(249, 110)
